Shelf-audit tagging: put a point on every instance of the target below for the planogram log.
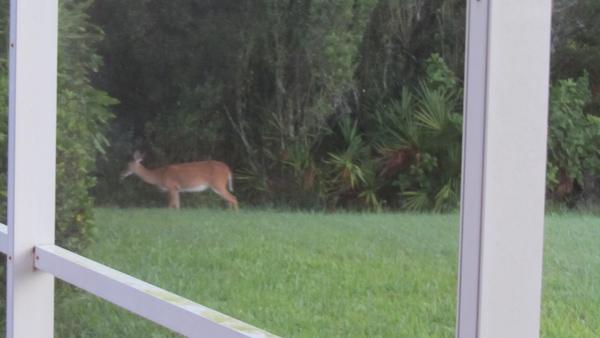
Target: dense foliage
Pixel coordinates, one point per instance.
(419, 138)
(83, 113)
(575, 105)
(317, 103)
(574, 136)
(284, 91)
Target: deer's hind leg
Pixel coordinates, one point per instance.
(226, 195)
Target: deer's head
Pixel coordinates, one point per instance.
(133, 166)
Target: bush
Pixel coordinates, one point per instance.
(573, 137)
(419, 138)
(83, 113)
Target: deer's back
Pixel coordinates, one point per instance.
(195, 174)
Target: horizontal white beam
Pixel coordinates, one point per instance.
(162, 307)
(3, 239)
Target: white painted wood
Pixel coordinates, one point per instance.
(31, 169)
(504, 168)
(473, 169)
(162, 307)
(3, 239)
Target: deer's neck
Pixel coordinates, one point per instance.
(151, 176)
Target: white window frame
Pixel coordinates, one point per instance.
(502, 205)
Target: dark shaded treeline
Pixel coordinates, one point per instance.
(265, 85)
(294, 94)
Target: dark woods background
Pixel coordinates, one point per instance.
(349, 104)
(304, 99)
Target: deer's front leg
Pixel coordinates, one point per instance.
(173, 198)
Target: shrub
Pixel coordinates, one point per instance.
(573, 136)
(419, 137)
(352, 172)
(83, 113)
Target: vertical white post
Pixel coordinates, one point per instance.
(32, 138)
(504, 159)
(476, 60)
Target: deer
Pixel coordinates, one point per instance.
(185, 177)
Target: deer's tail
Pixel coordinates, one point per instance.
(230, 182)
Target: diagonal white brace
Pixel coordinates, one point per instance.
(162, 307)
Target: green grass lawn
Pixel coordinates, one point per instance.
(320, 275)
(571, 293)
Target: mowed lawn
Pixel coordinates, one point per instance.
(320, 275)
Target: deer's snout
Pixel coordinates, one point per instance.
(125, 173)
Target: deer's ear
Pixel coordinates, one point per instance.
(137, 156)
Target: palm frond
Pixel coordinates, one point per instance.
(445, 196)
(415, 200)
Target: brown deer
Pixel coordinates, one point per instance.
(185, 177)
